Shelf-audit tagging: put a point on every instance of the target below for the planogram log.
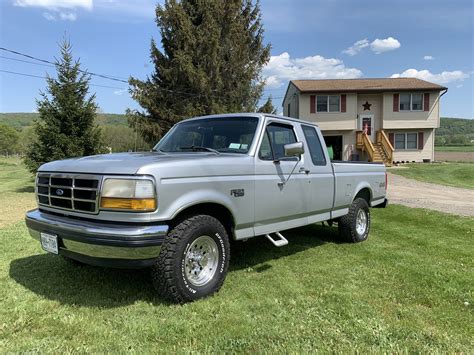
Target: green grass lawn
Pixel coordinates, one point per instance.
(450, 174)
(469, 148)
(407, 289)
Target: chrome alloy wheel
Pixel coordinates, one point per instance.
(361, 222)
(201, 260)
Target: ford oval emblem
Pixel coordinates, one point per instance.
(59, 192)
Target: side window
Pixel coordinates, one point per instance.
(273, 143)
(314, 145)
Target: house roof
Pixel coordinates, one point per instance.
(365, 85)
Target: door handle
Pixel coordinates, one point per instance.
(304, 170)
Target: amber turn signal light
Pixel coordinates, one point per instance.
(134, 204)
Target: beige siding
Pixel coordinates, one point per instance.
(376, 109)
(291, 98)
(410, 119)
(334, 120)
(415, 155)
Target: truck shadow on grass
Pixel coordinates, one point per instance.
(53, 278)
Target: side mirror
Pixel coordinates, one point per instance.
(294, 149)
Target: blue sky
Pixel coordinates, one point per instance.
(432, 40)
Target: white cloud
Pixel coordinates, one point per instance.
(55, 4)
(282, 68)
(377, 46)
(120, 92)
(428, 57)
(64, 10)
(384, 45)
(49, 16)
(68, 16)
(356, 47)
(444, 77)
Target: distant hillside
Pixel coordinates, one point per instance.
(24, 119)
(455, 131)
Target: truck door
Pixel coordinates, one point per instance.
(279, 205)
(320, 175)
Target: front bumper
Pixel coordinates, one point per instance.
(100, 243)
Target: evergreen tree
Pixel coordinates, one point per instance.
(268, 107)
(212, 56)
(65, 127)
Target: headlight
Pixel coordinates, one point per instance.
(128, 194)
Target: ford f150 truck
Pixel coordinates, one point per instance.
(209, 180)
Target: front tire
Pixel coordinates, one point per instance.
(355, 226)
(193, 260)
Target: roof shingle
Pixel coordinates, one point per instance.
(356, 85)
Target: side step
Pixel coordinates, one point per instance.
(281, 241)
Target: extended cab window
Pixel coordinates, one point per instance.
(314, 145)
(274, 140)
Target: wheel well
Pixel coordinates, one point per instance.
(364, 193)
(215, 210)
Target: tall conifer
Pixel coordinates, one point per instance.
(210, 60)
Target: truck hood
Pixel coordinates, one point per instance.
(120, 163)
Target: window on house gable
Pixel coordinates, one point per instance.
(328, 103)
(411, 102)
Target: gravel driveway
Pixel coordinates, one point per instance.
(413, 193)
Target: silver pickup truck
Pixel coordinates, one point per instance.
(209, 180)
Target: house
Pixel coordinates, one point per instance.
(389, 120)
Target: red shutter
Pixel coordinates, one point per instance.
(420, 140)
(426, 101)
(391, 139)
(396, 103)
(343, 103)
(312, 104)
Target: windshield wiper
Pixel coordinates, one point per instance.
(199, 148)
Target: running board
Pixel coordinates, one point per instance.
(278, 243)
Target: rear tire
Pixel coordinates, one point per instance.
(193, 260)
(354, 227)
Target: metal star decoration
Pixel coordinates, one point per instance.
(367, 106)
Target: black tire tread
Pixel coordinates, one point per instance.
(346, 223)
(163, 270)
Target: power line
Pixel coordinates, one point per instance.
(27, 61)
(108, 77)
(44, 77)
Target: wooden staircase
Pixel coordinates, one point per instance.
(381, 151)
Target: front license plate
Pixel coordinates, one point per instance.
(49, 242)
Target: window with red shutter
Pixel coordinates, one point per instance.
(391, 139)
(426, 101)
(343, 103)
(312, 104)
(396, 102)
(420, 140)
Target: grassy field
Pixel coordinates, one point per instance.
(464, 148)
(449, 174)
(407, 289)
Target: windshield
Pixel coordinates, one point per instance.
(218, 134)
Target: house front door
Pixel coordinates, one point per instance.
(367, 125)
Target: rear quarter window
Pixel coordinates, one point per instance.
(314, 145)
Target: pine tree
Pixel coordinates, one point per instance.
(268, 107)
(65, 127)
(211, 61)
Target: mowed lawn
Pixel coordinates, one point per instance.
(408, 288)
(464, 148)
(450, 174)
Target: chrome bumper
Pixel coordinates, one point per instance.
(99, 239)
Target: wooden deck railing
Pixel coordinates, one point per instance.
(363, 142)
(387, 147)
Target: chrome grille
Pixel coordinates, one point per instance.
(71, 192)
